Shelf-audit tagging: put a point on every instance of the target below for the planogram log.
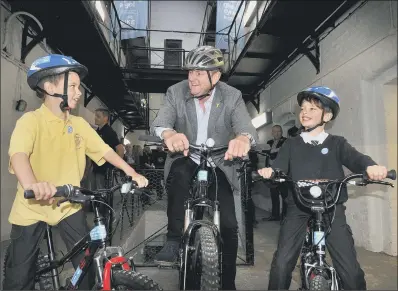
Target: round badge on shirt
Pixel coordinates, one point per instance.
(324, 151)
(70, 129)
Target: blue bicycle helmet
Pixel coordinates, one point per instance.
(55, 65)
(325, 95)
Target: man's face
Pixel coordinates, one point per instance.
(100, 118)
(199, 82)
(276, 132)
(74, 92)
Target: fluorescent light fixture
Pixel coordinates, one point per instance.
(259, 120)
(263, 119)
(100, 9)
(249, 13)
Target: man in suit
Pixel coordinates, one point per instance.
(279, 190)
(194, 110)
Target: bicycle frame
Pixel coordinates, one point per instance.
(95, 250)
(194, 209)
(313, 252)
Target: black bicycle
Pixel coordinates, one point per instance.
(200, 258)
(316, 195)
(113, 270)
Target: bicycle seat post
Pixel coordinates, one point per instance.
(51, 255)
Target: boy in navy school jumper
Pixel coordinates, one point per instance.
(315, 154)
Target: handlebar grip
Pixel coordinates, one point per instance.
(392, 174)
(256, 176)
(62, 191)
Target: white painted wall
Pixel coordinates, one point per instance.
(13, 87)
(175, 15)
(357, 59)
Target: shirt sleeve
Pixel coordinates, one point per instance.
(114, 140)
(355, 161)
(23, 137)
(96, 148)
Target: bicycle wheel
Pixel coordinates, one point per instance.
(130, 280)
(203, 272)
(44, 282)
(319, 283)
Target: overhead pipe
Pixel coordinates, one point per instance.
(8, 23)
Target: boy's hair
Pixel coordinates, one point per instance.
(54, 79)
(317, 103)
(105, 112)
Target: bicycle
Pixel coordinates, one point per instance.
(315, 272)
(113, 270)
(200, 257)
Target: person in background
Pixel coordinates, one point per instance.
(277, 190)
(110, 137)
(293, 131)
(146, 158)
(159, 157)
(129, 154)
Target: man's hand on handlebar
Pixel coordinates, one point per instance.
(176, 142)
(376, 172)
(237, 148)
(43, 191)
(266, 173)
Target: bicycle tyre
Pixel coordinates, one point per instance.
(43, 282)
(131, 280)
(203, 268)
(319, 283)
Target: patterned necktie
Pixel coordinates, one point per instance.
(314, 142)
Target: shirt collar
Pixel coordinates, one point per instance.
(320, 138)
(49, 115)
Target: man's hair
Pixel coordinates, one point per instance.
(105, 112)
(54, 79)
(277, 125)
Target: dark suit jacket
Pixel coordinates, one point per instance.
(272, 156)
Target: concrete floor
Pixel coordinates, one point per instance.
(380, 269)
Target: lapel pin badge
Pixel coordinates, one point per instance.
(218, 104)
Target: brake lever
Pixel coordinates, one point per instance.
(61, 201)
(365, 182)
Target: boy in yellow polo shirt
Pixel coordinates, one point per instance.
(48, 148)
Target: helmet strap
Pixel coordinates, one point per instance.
(200, 97)
(64, 104)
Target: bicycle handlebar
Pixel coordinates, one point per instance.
(79, 195)
(199, 148)
(280, 177)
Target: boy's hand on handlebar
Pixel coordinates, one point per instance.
(141, 180)
(237, 148)
(376, 172)
(177, 142)
(43, 191)
(266, 173)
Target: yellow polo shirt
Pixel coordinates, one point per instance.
(57, 152)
